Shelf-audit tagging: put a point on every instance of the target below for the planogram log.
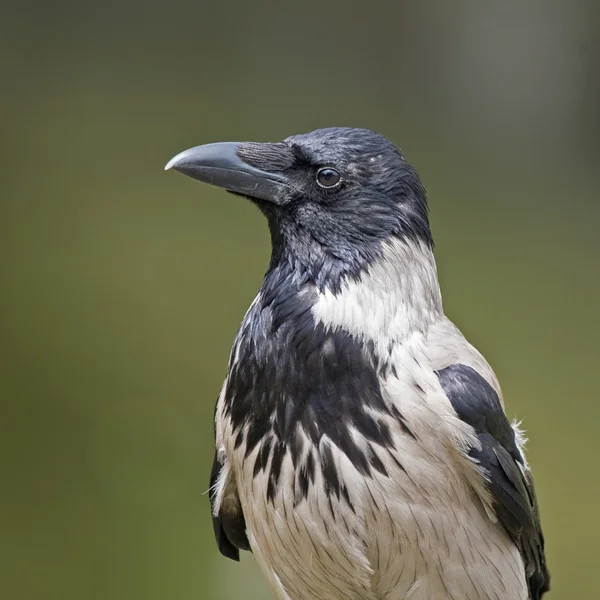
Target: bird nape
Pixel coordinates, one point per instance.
(362, 449)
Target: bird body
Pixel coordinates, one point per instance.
(362, 450)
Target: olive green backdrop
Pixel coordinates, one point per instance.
(122, 286)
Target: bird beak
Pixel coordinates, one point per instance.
(220, 165)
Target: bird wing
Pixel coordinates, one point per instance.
(228, 519)
(507, 474)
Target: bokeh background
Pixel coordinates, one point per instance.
(122, 286)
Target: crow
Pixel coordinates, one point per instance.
(362, 448)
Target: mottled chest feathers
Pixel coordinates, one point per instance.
(314, 397)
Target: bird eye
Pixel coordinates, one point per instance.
(328, 177)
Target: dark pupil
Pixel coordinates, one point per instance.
(328, 177)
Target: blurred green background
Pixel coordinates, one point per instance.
(123, 285)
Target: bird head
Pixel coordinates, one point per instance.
(333, 197)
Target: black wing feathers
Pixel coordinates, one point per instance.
(477, 403)
(229, 524)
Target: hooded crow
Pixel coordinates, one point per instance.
(362, 449)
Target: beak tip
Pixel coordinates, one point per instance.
(170, 164)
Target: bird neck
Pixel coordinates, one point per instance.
(298, 342)
(396, 295)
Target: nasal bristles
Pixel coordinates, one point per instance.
(268, 156)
